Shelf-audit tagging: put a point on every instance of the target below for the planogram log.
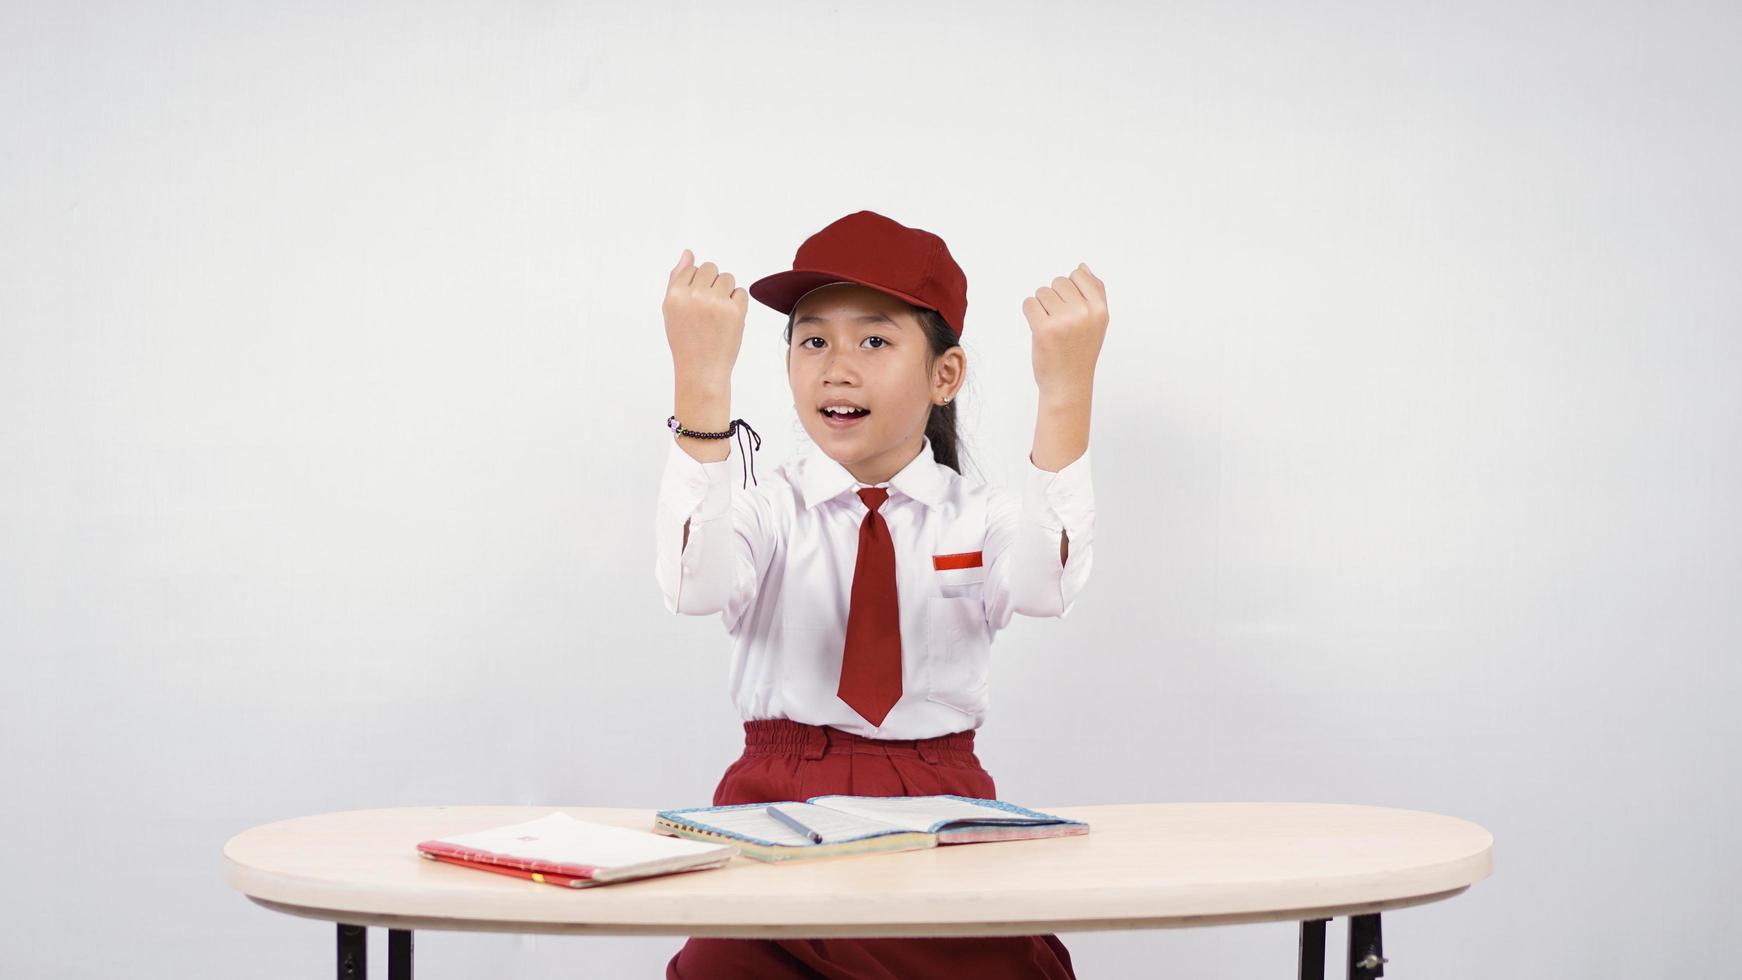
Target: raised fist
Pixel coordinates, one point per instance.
(704, 319)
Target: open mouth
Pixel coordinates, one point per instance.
(842, 417)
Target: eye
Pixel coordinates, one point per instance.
(808, 340)
(883, 342)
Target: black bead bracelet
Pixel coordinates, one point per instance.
(677, 430)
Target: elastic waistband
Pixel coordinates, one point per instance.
(783, 736)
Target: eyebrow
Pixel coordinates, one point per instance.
(862, 318)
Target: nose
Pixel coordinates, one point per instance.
(837, 369)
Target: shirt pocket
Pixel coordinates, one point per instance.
(958, 653)
(960, 574)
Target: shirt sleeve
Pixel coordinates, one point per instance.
(1024, 574)
(730, 538)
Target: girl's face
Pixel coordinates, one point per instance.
(853, 345)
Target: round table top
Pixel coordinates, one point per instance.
(1141, 865)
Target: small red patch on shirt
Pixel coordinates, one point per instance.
(966, 559)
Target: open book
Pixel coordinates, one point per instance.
(560, 850)
(861, 824)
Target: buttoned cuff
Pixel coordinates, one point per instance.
(694, 490)
(1062, 500)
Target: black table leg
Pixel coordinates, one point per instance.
(1366, 959)
(353, 952)
(399, 954)
(1312, 949)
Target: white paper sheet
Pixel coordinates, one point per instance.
(561, 838)
(921, 812)
(756, 822)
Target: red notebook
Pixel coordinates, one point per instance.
(558, 849)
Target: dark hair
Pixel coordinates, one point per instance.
(940, 427)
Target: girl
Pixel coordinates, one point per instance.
(863, 584)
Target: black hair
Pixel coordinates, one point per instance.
(940, 426)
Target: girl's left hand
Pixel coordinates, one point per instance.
(1069, 321)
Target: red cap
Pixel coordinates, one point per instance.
(867, 248)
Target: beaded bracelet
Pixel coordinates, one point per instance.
(677, 430)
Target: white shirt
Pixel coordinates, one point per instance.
(776, 561)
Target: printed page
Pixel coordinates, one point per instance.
(921, 812)
(756, 822)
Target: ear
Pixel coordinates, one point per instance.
(948, 373)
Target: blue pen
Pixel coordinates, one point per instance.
(791, 821)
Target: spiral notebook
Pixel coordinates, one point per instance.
(862, 824)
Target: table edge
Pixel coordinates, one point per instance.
(851, 930)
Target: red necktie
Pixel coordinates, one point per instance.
(871, 663)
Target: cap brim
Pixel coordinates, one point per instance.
(782, 290)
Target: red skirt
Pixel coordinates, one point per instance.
(789, 760)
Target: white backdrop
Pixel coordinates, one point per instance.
(333, 388)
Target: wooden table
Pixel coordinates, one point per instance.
(1141, 866)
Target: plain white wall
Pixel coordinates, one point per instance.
(333, 388)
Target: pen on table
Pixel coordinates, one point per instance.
(793, 822)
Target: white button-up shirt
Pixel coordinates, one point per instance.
(776, 561)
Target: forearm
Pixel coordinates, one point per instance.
(1061, 427)
(1068, 320)
(704, 403)
(1061, 434)
(1050, 541)
(694, 538)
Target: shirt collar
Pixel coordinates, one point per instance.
(922, 478)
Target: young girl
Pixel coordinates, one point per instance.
(863, 584)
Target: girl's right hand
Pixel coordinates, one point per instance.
(704, 319)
